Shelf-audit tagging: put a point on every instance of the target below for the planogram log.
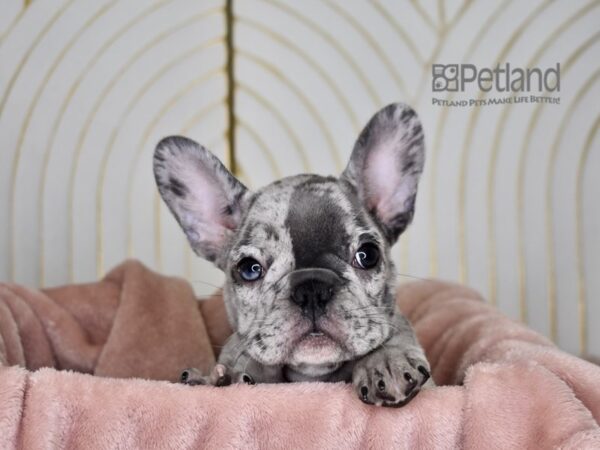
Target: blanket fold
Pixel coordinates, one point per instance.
(91, 366)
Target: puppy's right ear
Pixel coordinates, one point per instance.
(205, 198)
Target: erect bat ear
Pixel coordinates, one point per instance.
(205, 198)
(385, 166)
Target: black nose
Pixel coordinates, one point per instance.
(312, 296)
(312, 289)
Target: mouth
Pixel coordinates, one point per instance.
(316, 347)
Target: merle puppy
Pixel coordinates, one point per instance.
(309, 285)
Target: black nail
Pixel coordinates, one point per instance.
(408, 377)
(248, 379)
(424, 372)
(364, 391)
(225, 380)
(185, 375)
(381, 385)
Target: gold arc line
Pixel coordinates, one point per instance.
(583, 335)
(5, 97)
(441, 14)
(12, 25)
(59, 117)
(432, 200)
(525, 147)
(267, 66)
(549, 218)
(262, 145)
(142, 145)
(389, 18)
(421, 12)
(100, 99)
(130, 105)
(279, 117)
(29, 114)
(373, 44)
(435, 148)
(334, 44)
(309, 60)
(443, 32)
(29, 51)
(474, 116)
(491, 172)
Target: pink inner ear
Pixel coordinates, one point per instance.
(203, 204)
(382, 177)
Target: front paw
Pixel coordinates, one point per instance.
(390, 377)
(220, 375)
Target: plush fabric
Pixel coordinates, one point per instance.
(90, 366)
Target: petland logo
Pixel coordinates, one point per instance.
(458, 78)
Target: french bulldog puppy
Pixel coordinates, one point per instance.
(310, 283)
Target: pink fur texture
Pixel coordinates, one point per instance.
(504, 386)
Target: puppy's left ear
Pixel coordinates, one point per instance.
(205, 198)
(385, 167)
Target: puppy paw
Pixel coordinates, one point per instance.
(220, 375)
(390, 377)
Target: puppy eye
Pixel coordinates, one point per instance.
(366, 257)
(250, 269)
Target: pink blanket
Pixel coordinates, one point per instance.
(504, 386)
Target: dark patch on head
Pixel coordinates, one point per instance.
(270, 231)
(177, 187)
(315, 223)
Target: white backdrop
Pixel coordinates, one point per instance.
(507, 202)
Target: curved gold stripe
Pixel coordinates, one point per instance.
(373, 44)
(262, 145)
(310, 61)
(140, 150)
(131, 104)
(100, 99)
(12, 25)
(29, 51)
(279, 117)
(549, 219)
(196, 118)
(59, 117)
(28, 115)
(389, 18)
(473, 118)
(522, 163)
(441, 14)
(428, 20)
(443, 32)
(582, 304)
(435, 148)
(500, 127)
(301, 96)
(334, 44)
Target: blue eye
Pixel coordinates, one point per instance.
(250, 269)
(366, 257)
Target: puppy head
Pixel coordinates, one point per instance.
(306, 258)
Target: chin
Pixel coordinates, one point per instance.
(316, 349)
